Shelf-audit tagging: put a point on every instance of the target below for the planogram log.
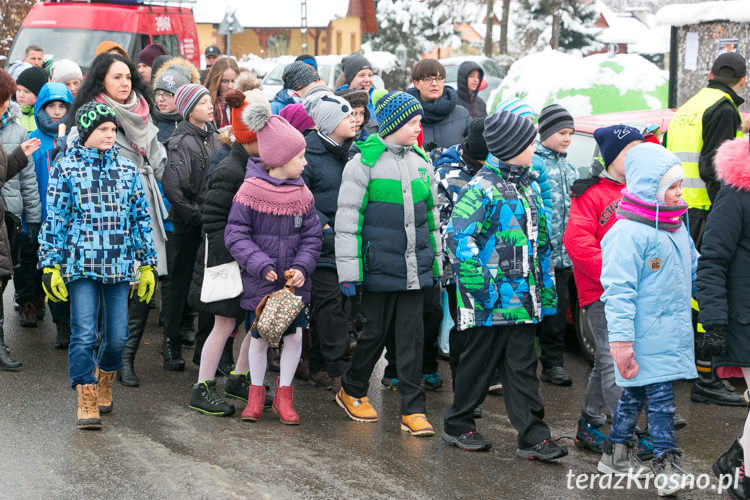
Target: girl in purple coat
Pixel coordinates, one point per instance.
(273, 228)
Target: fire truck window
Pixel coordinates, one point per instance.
(169, 42)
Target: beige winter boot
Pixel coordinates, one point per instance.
(88, 411)
(105, 390)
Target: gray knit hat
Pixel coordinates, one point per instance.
(327, 110)
(508, 134)
(172, 78)
(553, 118)
(299, 75)
(353, 64)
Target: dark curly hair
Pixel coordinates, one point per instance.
(7, 86)
(93, 84)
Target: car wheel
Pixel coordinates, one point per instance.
(586, 342)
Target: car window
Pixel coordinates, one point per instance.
(451, 73)
(582, 150)
(491, 68)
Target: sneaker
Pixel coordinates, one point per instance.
(545, 451)
(358, 409)
(390, 383)
(205, 398)
(321, 379)
(28, 315)
(432, 381)
(588, 436)
(644, 448)
(471, 441)
(237, 386)
(556, 376)
(670, 477)
(621, 458)
(416, 424)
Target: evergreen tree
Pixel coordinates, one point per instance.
(11, 16)
(563, 24)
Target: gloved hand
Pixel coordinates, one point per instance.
(715, 341)
(349, 288)
(624, 356)
(53, 284)
(146, 283)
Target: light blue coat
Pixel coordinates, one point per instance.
(650, 307)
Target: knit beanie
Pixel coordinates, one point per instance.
(172, 78)
(613, 139)
(297, 117)
(358, 99)
(33, 79)
(15, 69)
(670, 177)
(308, 59)
(278, 141)
(150, 52)
(353, 64)
(106, 46)
(65, 70)
(237, 102)
(474, 144)
(507, 134)
(188, 96)
(518, 106)
(89, 116)
(299, 75)
(553, 118)
(394, 109)
(327, 110)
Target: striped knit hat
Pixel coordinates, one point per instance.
(507, 135)
(553, 118)
(394, 109)
(517, 106)
(188, 96)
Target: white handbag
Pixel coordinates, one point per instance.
(220, 282)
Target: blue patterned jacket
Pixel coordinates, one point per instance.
(98, 223)
(499, 248)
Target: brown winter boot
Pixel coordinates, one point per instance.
(282, 404)
(88, 411)
(255, 398)
(105, 390)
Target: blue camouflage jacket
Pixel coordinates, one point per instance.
(556, 175)
(499, 249)
(98, 222)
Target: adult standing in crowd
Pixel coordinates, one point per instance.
(68, 73)
(211, 54)
(356, 74)
(34, 55)
(146, 60)
(219, 81)
(470, 77)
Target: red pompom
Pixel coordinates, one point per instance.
(234, 98)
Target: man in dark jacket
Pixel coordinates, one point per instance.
(470, 76)
(327, 152)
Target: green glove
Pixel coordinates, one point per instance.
(53, 284)
(146, 283)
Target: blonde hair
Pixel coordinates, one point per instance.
(213, 78)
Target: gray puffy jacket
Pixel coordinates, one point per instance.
(21, 192)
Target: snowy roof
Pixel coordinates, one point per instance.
(271, 14)
(694, 13)
(641, 37)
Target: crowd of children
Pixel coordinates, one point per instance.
(335, 195)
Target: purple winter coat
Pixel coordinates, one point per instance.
(261, 241)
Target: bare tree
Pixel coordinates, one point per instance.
(11, 16)
(489, 24)
(504, 23)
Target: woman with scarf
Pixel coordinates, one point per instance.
(113, 80)
(219, 81)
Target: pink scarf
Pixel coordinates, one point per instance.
(666, 217)
(264, 197)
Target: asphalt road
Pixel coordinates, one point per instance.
(152, 445)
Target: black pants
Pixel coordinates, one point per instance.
(551, 331)
(180, 274)
(511, 349)
(456, 338)
(27, 279)
(432, 315)
(698, 219)
(329, 324)
(398, 314)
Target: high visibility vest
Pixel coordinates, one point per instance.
(685, 140)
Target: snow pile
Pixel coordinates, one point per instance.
(276, 14)
(677, 14)
(642, 37)
(382, 61)
(585, 85)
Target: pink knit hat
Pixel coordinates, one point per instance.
(297, 117)
(278, 141)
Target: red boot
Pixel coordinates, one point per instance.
(282, 404)
(254, 408)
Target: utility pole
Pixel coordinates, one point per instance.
(303, 24)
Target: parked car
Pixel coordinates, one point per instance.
(493, 73)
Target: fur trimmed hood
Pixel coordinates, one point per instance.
(732, 162)
(195, 76)
(14, 111)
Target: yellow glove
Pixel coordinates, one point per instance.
(53, 284)
(146, 283)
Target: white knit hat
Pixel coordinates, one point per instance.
(65, 70)
(670, 177)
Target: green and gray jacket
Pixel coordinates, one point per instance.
(387, 234)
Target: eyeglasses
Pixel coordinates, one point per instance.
(432, 79)
(162, 95)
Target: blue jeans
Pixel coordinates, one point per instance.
(659, 401)
(87, 297)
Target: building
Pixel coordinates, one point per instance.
(274, 28)
(633, 32)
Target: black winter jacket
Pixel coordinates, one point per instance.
(470, 100)
(444, 123)
(188, 153)
(166, 123)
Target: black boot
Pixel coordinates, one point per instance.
(62, 338)
(730, 460)
(6, 362)
(187, 330)
(137, 316)
(226, 362)
(171, 351)
(709, 389)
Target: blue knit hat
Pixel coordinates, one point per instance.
(517, 106)
(613, 139)
(394, 109)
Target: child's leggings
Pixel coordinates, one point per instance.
(745, 439)
(659, 401)
(290, 354)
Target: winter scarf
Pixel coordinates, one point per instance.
(339, 151)
(439, 109)
(4, 119)
(133, 119)
(47, 125)
(666, 217)
(284, 199)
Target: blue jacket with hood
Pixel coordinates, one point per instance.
(648, 276)
(47, 132)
